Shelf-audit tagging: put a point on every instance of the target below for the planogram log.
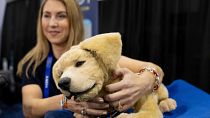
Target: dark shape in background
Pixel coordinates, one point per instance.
(18, 37)
(174, 34)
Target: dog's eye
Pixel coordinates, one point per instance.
(79, 63)
(60, 73)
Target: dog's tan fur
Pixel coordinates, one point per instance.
(100, 55)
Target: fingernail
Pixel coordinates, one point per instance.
(101, 100)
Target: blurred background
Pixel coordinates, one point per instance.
(174, 34)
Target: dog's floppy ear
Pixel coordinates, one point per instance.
(107, 46)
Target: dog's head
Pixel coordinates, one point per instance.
(82, 70)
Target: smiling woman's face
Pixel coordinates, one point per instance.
(55, 22)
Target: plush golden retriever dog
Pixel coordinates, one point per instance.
(85, 69)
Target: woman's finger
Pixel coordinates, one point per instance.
(129, 101)
(126, 79)
(127, 91)
(94, 112)
(114, 87)
(93, 105)
(120, 72)
(97, 100)
(117, 95)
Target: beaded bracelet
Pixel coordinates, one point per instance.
(63, 102)
(153, 71)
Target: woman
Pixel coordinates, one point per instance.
(59, 27)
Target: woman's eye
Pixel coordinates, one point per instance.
(79, 63)
(46, 16)
(61, 16)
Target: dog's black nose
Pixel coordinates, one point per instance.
(64, 83)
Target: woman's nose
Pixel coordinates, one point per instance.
(53, 22)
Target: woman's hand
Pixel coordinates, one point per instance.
(96, 107)
(125, 93)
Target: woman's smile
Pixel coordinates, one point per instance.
(54, 33)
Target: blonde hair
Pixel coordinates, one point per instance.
(38, 53)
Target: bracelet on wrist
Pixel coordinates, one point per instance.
(63, 102)
(153, 71)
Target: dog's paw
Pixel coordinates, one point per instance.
(167, 105)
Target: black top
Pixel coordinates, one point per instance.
(39, 78)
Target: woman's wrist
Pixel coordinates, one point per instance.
(155, 76)
(63, 102)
